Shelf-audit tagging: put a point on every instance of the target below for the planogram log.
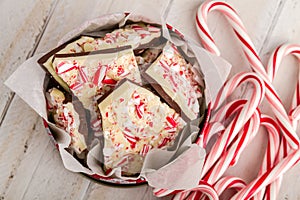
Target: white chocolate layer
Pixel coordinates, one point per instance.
(67, 118)
(91, 76)
(174, 75)
(135, 121)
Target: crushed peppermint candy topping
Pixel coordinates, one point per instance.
(146, 148)
(93, 75)
(66, 118)
(177, 79)
(140, 123)
(99, 74)
(64, 67)
(134, 35)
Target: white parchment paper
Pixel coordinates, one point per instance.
(185, 160)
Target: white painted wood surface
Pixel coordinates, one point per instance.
(30, 167)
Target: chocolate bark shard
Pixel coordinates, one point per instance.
(171, 76)
(135, 121)
(46, 63)
(67, 117)
(90, 75)
(139, 36)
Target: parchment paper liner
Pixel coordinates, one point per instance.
(185, 159)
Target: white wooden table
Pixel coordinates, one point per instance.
(30, 166)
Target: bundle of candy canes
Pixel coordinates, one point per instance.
(282, 150)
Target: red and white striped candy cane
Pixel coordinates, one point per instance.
(229, 182)
(252, 56)
(237, 25)
(242, 117)
(272, 68)
(270, 157)
(215, 126)
(268, 177)
(231, 131)
(230, 154)
(236, 125)
(203, 187)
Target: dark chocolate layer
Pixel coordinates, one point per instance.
(164, 95)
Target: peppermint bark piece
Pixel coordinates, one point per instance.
(139, 36)
(66, 117)
(171, 76)
(90, 75)
(136, 35)
(135, 121)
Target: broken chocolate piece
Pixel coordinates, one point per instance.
(90, 75)
(135, 121)
(65, 116)
(172, 78)
(139, 36)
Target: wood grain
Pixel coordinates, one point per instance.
(30, 165)
(22, 141)
(24, 24)
(52, 181)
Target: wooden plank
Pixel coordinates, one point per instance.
(31, 166)
(290, 184)
(24, 23)
(28, 171)
(37, 178)
(52, 181)
(23, 171)
(21, 148)
(67, 16)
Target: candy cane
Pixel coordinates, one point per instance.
(252, 56)
(229, 156)
(270, 157)
(237, 25)
(235, 126)
(233, 152)
(243, 116)
(238, 122)
(271, 190)
(203, 187)
(271, 175)
(229, 182)
(272, 68)
(214, 125)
